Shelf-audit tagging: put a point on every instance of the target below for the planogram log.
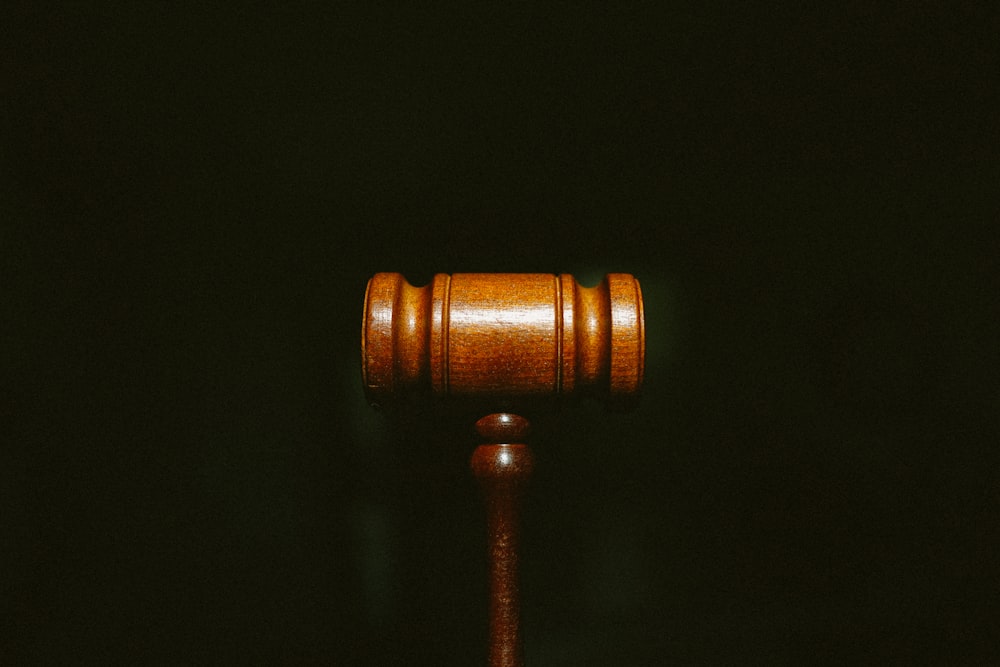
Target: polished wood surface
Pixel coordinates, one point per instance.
(503, 340)
(503, 466)
(502, 335)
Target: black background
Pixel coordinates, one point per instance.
(192, 202)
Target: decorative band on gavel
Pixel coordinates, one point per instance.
(501, 335)
(498, 338)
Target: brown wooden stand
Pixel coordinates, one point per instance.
(503, 467)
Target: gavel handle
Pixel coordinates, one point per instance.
(503, 471)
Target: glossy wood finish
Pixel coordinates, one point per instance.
(503, 467)
(502, 335)
(503, 340)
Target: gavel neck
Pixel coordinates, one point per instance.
(503, 469)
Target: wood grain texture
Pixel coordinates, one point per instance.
(503, 467)
(503, 335)
(503, 339)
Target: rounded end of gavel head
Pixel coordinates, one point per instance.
(503, 340)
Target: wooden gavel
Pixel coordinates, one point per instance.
(503, 340)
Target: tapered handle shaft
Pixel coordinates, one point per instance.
(503, 468)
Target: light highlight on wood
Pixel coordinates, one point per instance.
(502, 335)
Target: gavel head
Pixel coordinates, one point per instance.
(507, 338)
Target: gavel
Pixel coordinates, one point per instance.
(499, 342)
